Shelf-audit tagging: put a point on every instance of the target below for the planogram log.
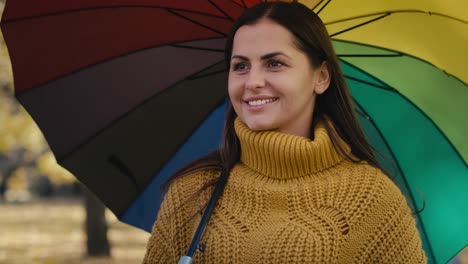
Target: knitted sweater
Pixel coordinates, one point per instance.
(289, 200)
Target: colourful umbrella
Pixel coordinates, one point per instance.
(127, 92)
(404, 64)
(427, 164)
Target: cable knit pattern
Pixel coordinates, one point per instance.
(289, 200)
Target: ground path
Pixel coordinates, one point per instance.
(51, 231)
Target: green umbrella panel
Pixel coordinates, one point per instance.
(414, 114)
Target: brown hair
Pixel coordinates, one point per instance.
(335, 103)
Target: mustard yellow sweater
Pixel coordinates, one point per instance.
(289, 200)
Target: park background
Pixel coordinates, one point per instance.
(46, 216)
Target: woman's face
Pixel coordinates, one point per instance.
(272, 85)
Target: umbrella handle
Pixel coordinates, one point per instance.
(194, 245)
(185, 260)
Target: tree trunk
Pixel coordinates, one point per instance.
(97, 243)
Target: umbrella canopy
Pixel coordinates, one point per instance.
(427, 166)
(127, 92)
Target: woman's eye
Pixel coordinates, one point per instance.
(240, 67)
(275, 64)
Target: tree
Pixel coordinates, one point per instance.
(97, 243)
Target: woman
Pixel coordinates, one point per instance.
(304, 185)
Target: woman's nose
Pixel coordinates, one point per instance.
(256, 79)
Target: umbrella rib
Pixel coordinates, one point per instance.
(196, 22)
(368, 55)
(70, 11)
(323, 7)
(384, 14)
(359, 25)
(369, 83)
(243, 3)
(449, 17)
(196, 48)
(396, 12)
(397, 164)
(220, 10)
(197, 75)
(416, 107)
(194, 77)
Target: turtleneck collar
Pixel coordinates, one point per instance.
(284, 156)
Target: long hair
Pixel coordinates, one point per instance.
(335, 103)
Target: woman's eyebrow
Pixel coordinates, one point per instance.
(239, 57)
(273, 54)
(264, 57)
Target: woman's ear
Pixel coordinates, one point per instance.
(323, 78)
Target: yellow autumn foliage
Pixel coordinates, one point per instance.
(47, 165)
(17, 129)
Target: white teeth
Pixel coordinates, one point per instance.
(261, 102)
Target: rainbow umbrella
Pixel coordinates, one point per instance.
(126, 92)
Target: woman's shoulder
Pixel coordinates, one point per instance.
(373, 179)
(372, 194)
(365, 179)
(193, 181)
(186, 193)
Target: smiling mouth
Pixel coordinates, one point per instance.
(261, 102)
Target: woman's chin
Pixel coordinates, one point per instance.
(256, 125)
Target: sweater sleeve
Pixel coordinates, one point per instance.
(392, 235)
